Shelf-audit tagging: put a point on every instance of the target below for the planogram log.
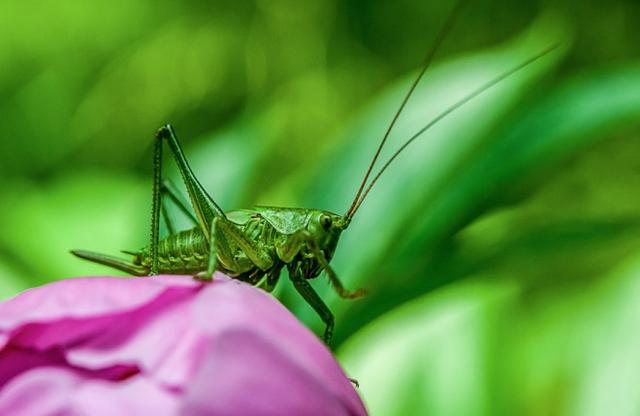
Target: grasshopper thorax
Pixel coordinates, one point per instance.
(303, 234)
(322, 230)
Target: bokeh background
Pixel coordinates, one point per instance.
(501, 252)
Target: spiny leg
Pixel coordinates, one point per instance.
(291, 247)
(164, 213)
(168, 189)
(159, 189)
(309, 294)
(155, 207)
(204, 206)
(333, 277)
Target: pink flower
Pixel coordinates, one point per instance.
(162, 346)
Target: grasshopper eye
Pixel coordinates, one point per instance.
(325, 221)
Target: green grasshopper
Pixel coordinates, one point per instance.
(254, 245)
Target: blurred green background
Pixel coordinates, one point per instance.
(501, 253)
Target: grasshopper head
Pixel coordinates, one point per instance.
(325, 227)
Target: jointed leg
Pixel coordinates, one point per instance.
(333, 277)
(272, 279)
(213, 255)
(167, 188)
(309, 294)
(292, 247)
(269, 280)
(203, 205)
(155, 207)
(167, 218)
(257, 254)
(224, 237)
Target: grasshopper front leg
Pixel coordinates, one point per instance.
(333, 277)
(289, 248)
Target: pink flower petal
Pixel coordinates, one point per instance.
(240, 306)
(85, 297)
(246, 374)
(58, 313)
(124, 345)
(59, 391)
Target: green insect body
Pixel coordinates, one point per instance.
(254, 245)
(275, 231)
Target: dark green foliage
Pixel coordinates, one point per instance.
(500, 253)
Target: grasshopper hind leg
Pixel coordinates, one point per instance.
(168, 189)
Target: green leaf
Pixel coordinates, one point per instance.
(429, 356)
(522, 153)
(485, 346)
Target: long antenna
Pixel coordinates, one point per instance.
(427, 62)
(445, 113)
